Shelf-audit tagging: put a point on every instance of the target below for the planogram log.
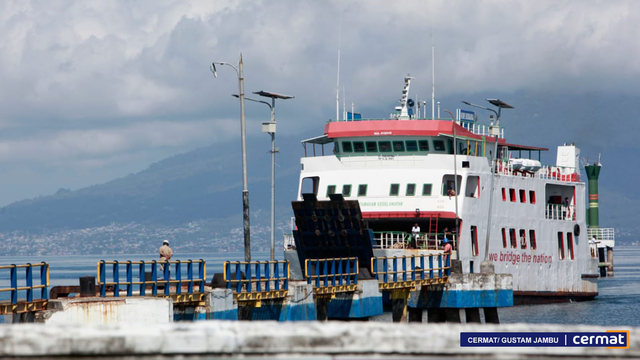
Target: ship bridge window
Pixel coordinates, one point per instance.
(570, 245)
(523, 196)
(394, 190)
(346, 147)
(362, 190)
(411, 145)
(438, 145)
(532, 239)
(504, 194)
(512, 237)
(512, 195)
(560, 245)
(372, 146)
(473, 187)
(331, 189)
(532, 196)
(398, 146)
(310, 185)
(346, 190)
(411, 189)
(384, 146)
(426, 189)
(358, 146)
(423, 145)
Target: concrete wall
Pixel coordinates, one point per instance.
(466, 291)
(107, 310)
(237, 339)
(366, 301)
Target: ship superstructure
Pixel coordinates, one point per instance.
(406, 171)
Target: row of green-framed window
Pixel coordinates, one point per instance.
(394, 190)
(391, 146)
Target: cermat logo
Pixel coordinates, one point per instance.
(612, 339)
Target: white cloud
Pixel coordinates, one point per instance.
(92, 83)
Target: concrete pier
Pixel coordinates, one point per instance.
(306, 340)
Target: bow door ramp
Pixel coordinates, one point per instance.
(332, 229)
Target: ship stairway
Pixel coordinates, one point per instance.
(433, 226)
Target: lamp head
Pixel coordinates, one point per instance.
(213, 70)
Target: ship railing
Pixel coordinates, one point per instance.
(404, 240)
(257, 280)
(24, 285)
(158, 278)
(332, 275)
(288, 241)
(602, 233)
(559, 173)
(560, 212)
(481, 129)
(409, 271)
(547, 172)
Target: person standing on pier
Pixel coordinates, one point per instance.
(165, 253)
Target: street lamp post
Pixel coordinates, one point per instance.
(455, 171)
(270, 128)
(245, 186)
(495, 131)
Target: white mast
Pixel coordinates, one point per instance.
(433, 76)
(338, 81)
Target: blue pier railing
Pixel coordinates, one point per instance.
(411, 270)
(332, 275)
(161, 277)
(257, 280)
(19, 284)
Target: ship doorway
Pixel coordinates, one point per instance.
(309, 186)
(448, 184)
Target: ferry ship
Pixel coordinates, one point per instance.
(461, 180)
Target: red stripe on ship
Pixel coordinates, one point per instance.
(593, 197)
(408, 214)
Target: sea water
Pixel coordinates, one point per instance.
(616, 305)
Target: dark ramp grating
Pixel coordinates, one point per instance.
(331, 229)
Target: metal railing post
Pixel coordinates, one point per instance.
(116, 279)
(190, 276)
(129, 269)
(29, 274)
(179, 277)
(143, 278)
(44, 280)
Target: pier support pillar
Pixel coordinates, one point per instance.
(244, 312)
(415, 314)
(399, 310)
(322, 306)
(453, 315)
(491, 315)
(610, 261)
(473, 315)
(436, 315)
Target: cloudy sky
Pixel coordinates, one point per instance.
(95, 90)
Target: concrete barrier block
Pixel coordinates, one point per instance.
(107, 310)
(220, 305)
(365, 302)
(299, 304)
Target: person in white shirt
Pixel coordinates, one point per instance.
(415, 233)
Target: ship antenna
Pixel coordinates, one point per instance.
(338, 76)
(433, 74)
